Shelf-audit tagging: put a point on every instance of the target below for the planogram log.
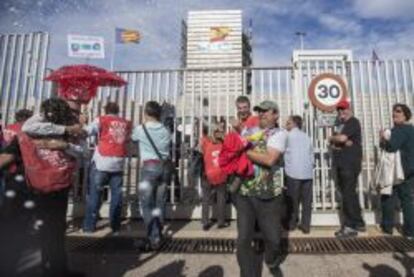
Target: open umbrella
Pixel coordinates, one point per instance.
(80, 82)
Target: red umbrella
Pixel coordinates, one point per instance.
(80, 82)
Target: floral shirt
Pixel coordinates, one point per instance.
(267, 182)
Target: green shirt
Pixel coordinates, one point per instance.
(402, 138)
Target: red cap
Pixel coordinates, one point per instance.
(343, 104)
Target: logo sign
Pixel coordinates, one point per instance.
(326, 90)
(221, 46)
(219, 33)
(326, 120)
(86, 47)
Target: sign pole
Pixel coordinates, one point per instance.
(113, 55)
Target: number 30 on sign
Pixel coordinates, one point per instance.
(326, 90)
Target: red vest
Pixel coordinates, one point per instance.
(114, 135)
(11, 131)
(215, 176)
(46, 170)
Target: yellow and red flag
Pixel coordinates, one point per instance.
(127, 35)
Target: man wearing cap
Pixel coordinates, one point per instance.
(346, 166)
(260, 199)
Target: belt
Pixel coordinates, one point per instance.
(148, 162)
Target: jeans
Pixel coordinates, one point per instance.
(403, 192)
(346, 181)
(208, 192)
(152, 195)
(268, 216)
(298, 192)
(98, 179)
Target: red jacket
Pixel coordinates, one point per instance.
(46, 170)
(233, 158)
(211, 151)
(114, 135)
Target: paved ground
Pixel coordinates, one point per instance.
(192, 229)
(217, 265)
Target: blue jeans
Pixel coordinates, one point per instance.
(98, 179)
(152, 196)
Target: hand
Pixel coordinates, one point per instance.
(74, 130)
(51, 144)
(236, 124)
(385, 134)
(349, 143)
(83, 118)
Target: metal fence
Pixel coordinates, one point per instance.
(208, 95)
(197, 98)
(23, 59)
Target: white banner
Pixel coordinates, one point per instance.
(86, 47)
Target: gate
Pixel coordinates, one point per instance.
(197, 98)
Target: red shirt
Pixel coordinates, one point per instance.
(11, 131)
(215, 176)
(251, 121)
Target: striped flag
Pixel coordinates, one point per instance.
(127, 35)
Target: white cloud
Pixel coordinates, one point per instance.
(340, 23)
(384, 9)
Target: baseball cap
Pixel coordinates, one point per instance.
(265, 106)
(343, 104)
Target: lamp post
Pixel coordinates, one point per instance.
(301, 35)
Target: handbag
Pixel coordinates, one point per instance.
(195, 167)
(168, 165)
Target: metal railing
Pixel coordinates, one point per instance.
(199, 97)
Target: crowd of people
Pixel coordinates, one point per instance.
(265, 169)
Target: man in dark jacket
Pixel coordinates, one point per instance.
(346, 166)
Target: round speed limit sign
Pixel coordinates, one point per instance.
(326, 90)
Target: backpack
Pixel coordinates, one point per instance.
(45, 170)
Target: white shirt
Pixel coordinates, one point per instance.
(278, 140)
(299, 156)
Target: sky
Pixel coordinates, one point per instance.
(361, 25)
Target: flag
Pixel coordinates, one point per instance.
(127, 35)
(375, 57)
(219, 33)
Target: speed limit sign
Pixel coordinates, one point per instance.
(326, 91)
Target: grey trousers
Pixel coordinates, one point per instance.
(208, 192)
